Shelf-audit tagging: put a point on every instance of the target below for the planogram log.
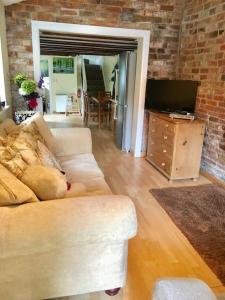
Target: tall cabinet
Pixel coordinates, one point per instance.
(175, 146)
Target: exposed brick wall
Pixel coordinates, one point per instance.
(162, 17)
(202, 57)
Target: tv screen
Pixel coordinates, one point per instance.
(171, 95)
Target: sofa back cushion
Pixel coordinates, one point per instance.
(12, 190)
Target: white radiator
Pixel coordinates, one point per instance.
(60, 105)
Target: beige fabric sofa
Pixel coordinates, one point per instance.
(67, 246)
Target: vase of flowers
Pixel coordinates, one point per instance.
(28, 89)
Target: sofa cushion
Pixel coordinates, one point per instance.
(6, 127)
(18, 148)
(72, 141)
(47, 158)
(43, 129)
(98, 186)
(32, 133)
(24, 140)
(80, 168)
(12, 190)
(12, 161)
(46, 182)
(92, 187)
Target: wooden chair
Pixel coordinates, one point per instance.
(91, 110)
(104, 95)
(107, 108)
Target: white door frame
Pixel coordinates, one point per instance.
(143, 38)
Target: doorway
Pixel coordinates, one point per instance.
(142, 37)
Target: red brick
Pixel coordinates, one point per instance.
(208, 56)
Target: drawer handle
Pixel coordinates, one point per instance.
(165, 137)
(163, 164)
(167, 125)
(164, 150)
(152, 143)
(153, 130)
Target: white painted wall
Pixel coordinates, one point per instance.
(5, 93)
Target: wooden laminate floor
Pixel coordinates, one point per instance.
(159, 249)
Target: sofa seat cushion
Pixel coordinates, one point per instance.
(92, 187)
(80, 168)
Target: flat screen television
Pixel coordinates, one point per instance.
(171, 95)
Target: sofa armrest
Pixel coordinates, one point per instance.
(43, 226)
(72, 141)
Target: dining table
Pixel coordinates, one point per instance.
(106, 106)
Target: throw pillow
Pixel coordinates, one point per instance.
(12, 190)
(32, 133)
(47, 158)
(23, 141)
(12, 161)
(6, 127)
(26, 148)
(46, 182)
(43, 129)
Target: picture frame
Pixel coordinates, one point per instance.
(63, 65)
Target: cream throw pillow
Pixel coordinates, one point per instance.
(43, 129)
(12, 190)
(46, 182)
(46, 157)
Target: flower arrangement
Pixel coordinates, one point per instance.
(28, 89)
(28, 86)
(19, 78)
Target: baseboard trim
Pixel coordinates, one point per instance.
(212, 178)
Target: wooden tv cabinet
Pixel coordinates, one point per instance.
(175, 146)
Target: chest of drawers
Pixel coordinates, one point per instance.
(175, 146)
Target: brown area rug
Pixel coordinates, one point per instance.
(199, 212)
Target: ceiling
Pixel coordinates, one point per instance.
(72, 45)
(9, 2)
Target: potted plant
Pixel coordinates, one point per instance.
(28, 89)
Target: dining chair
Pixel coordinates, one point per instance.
(91, 110)
(106, 105)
